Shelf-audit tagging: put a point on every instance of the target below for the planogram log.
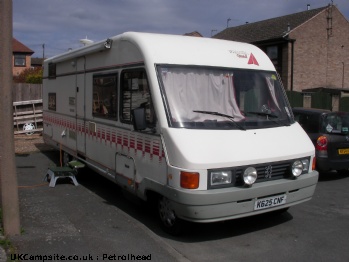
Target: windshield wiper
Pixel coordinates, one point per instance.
(268, 114)
(231, 118)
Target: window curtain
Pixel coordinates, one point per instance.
(203, 90)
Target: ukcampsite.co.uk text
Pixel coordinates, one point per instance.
(57, 257)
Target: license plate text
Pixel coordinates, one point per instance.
(344, 151)
(270, 202)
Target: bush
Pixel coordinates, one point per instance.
(30, 76)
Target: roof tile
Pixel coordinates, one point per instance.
(267, 29)
(18, 47)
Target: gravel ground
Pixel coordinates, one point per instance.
(26, 144)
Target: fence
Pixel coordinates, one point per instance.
(26, 92)
(27, 116)
(344, 104)
(321, 100)
(295, 98)
(27, 108)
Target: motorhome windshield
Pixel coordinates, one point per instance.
(215, 98)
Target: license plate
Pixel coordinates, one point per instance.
(270, 202)
(343, 151)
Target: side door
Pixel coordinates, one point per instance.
(101, 118)
(134, 155)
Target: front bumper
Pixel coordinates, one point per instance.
(230, 203)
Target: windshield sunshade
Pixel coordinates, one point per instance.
(198, 97)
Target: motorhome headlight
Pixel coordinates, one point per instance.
(250, 176)
(306, 164)
(221, 178)
(297, 168)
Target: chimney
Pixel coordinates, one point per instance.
(308, 7)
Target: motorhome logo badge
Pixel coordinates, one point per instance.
(239, 54)
(252, 60)
(268, 171)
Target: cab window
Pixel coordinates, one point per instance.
(135, 93)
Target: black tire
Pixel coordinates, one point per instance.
(170, 223)
(343, 172)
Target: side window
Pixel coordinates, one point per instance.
(296, 117)
(20, 60)
(135, 93)
(303, 120)
(51, 70)
(313, 124)
(104, 101)
(332, 123)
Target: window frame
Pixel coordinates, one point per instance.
(21, 57)
(52, 69)
(150, 124)
(115, 89)
(249, 121)
(270, 50)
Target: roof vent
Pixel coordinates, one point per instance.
(308, 7)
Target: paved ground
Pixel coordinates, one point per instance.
(96, 222)
(74, 221)
(70, 220)
(25, 144)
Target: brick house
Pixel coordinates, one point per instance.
(309, 49)
(21, 57)
(37, 62)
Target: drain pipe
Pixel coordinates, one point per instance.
(292, 60)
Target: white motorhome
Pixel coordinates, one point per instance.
(202, 125)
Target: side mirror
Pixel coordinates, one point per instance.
(138, 119)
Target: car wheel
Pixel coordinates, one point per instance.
(169, 221)
(27, 127)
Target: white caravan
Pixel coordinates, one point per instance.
(201, 125)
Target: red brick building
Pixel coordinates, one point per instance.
(310, 49)
(21, 57)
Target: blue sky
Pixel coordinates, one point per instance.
(60, 24)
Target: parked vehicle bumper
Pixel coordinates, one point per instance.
(230, 203)
(325, 164)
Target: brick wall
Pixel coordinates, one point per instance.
(319, 59)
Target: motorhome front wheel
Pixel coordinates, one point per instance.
(170, 222)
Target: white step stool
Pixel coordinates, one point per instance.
(55, 173)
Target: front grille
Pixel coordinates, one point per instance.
(265, 172)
